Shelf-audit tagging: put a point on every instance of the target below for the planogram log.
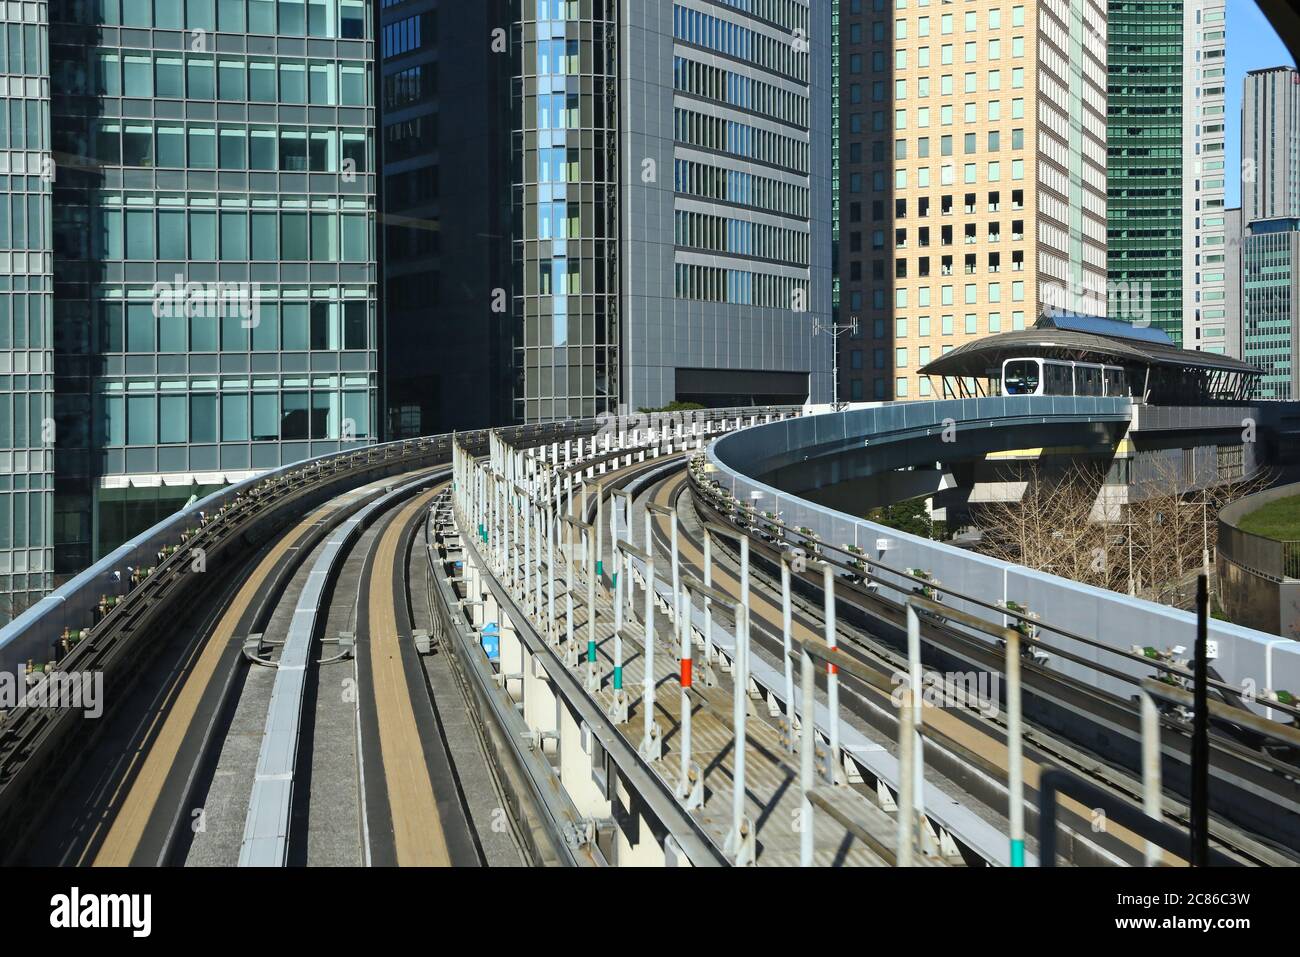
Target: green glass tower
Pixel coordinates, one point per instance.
(1164, 173)
(1144, 138)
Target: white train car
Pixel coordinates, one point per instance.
(1035, 376)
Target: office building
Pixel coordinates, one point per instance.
(444, 96)
(1165, 135)
(1270, 132)
(27, 433)
(972, 177)
(719, 270)
(214, 303)
(627, 207)
(1270, 274)
(1270, 216)
(1233, 237)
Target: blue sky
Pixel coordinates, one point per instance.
(1252, 44)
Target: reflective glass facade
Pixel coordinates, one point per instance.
(1165, 166)
(27, 432)
(1270, 246)
(1145, 146)
(213, 236)
(445, 149)
(1270, 299)
(667, 189)
(566, 296)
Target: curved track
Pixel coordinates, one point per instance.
(166, 777)
(975, 743)
(154, 802)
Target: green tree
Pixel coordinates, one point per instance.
(909, 516)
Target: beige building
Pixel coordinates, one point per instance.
(999, 176)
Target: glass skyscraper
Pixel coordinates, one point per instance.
(27, 433)
(567, 210)
(1270, 221)
(1270, 301)
(587, 205)
(1165, 167)
(214, 207)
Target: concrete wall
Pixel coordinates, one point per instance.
(1257, 586)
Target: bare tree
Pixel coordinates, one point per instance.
(1161, 537)
(1051, 527)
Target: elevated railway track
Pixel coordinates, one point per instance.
(277, 669)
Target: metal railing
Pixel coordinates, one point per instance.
(1115, 621)
(856, 563)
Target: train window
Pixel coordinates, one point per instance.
(1116, 382)
(1020, 377)
(1058, 379)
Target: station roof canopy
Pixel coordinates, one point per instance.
(1082, 339)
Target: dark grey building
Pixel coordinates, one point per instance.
(602, 204)
(444, 96)
(727, 265)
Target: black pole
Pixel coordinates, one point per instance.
(1201, 733)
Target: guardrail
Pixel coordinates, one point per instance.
(519, 507)
(1117, 621)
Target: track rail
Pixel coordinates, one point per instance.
(39, 745)
(1257, 775)
(35, 742)
(266, 825)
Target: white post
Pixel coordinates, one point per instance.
(651, 743)
(708, 602)
(915, 717)
(807, 753)
(568, 587)
(1015, 754)
(593, 667)
(526, 508)
(551, 634)
(685, 789)
(832, 672)
(786, 625)
(1151, 802)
